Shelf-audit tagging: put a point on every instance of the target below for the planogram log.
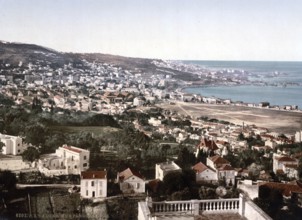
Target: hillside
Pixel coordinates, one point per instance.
(16, 54)
(19, 55)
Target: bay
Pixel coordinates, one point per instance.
(284, 73)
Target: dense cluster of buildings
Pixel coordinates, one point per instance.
(107, 89)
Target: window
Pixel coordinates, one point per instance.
(93, 193)
(101, 183)
(92, 183)
(75, 166)
(86, 192)
(85, 157)
(137, 185)
(86, 183)
(85, 165)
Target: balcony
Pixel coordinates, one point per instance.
(241, 208)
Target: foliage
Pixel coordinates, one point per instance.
(207, 193)
(177, 182)
(8, 180)
(1, 146)
(185, 158)
(269, 200)
(30, 154)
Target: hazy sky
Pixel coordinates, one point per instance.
(167, 29)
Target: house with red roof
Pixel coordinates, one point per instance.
(216, 161)
(291, 190)
(223, 168)
(131, 181)
(207, 146)
(227, 172)
(93, 184)
(284, 164)
(204, 173)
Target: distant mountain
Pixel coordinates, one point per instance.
(17, 53)
(20, 55)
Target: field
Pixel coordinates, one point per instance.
(286, 122)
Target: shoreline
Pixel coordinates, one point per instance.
(241, 75)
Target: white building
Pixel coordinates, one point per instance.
(285, 165)
(298, 136)
(66, 160)
(131, 181)
(138, 101)
(223, 168)
(204, 173)
(12, 144)
(162, 169)
(93, 184)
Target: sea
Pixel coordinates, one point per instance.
(281, 82)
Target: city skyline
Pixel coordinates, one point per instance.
(171, 29)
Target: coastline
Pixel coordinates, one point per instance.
(284, 88)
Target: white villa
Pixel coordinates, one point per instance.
(283, 164)
(217, 168)
(93, 184)
(131, 181)
(12, 144)
(66, 160)
(204, 173)
(162, 169)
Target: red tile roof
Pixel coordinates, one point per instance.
(94, 174)
(129, 173)
(210, 144)
(286, 159)
(219, 160)
(199, 167)
(72, 149)
(285, 188)
(294, 166)
(226, 167)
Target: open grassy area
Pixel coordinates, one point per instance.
(96, 130)
(280, 121)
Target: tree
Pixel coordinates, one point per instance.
(1, 146)
(36, 134)
(207, 193)
(173, 182)
(185, 157)
(30, 154)
(8, 180)
(240, 137)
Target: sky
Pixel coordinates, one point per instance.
(260, 30)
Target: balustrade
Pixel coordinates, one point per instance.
(219, 205)
(185, 206)
(215, 205)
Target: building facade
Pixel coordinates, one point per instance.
(66, 160)
(131, 181)
(12, 144)
(93, 184)
(162, 169)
